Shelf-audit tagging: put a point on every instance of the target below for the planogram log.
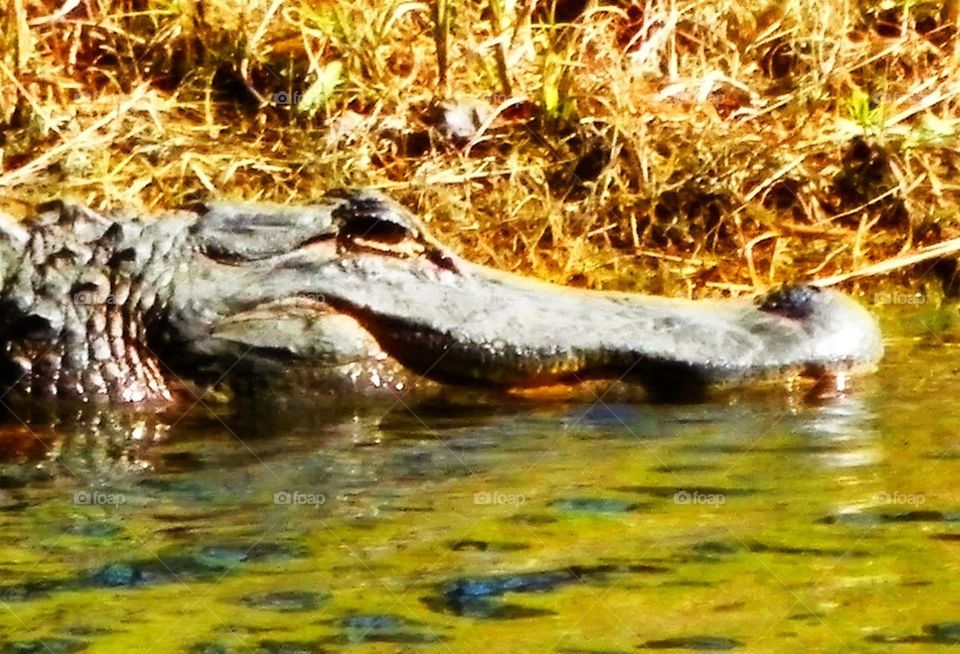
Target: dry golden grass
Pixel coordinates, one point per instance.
(677, 146)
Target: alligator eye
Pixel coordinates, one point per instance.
(371, 220)
(795, 301)
(373, 228)
(370, 223)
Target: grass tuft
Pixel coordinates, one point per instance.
(677, 146)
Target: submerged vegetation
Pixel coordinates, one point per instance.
(679, 146)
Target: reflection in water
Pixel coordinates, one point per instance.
(762, 522)
(847, 431)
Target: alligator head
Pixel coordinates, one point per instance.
(352, 294)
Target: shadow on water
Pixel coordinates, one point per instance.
(761, 521)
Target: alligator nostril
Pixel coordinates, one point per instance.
(791, 301)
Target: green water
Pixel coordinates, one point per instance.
(760, 523)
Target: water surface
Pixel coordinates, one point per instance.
(760, 522)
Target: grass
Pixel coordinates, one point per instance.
(675, 146)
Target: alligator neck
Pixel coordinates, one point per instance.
(77, 303)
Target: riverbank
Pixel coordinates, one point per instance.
(686, 148)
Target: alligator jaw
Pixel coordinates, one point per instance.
(495, 329)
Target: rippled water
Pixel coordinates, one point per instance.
(755, 522)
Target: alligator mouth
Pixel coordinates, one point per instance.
(472, 326)
(567, 336)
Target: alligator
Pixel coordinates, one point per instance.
(351, 294)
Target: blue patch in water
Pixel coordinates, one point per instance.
(595, 505)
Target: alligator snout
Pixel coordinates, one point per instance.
(795, 301)
(820, 329)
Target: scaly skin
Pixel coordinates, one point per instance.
(352, 295)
